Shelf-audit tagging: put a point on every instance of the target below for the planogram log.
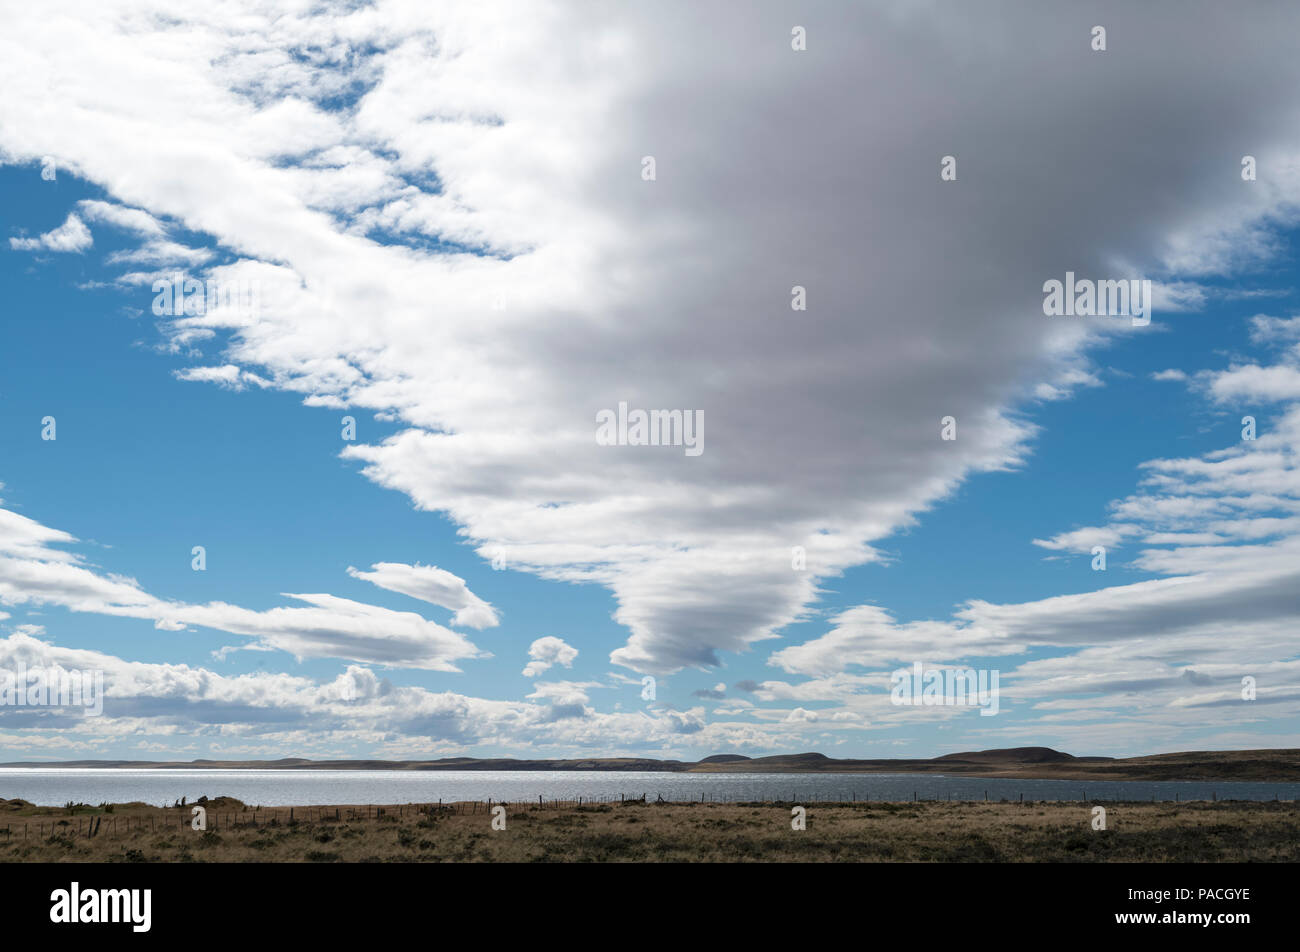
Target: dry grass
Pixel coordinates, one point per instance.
(679, 832)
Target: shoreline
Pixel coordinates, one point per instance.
(1025, 763)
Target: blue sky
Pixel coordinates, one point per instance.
(472, 274)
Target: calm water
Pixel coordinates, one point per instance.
(55, 787)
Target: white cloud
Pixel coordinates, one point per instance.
(1177, 296)
(162, 253)
(661, 287)
(1083, 540)
(1222, 533)
(177, 707)
(228, 376)
(824, 425)
(34, 574)
(1265, 384)
(1266, 330)
(435, 586)
(135, 220)
(72, 235)
(547, 652)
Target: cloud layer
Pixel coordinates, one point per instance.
(445, 211)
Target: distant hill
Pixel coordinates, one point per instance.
(1013, 763)
(1014, 755)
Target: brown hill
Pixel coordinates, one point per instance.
(1012, 755)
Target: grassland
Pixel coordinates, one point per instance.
(649, 832)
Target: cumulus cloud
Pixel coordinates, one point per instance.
(1255, 383)
(72, 235)
(548, 652)
(172, 707)
(1269, 330)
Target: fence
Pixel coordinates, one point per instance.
(257, 817)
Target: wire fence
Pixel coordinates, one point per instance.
(181, 818)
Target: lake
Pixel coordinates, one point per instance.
(57, 786)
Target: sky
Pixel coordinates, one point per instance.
(354, 502)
